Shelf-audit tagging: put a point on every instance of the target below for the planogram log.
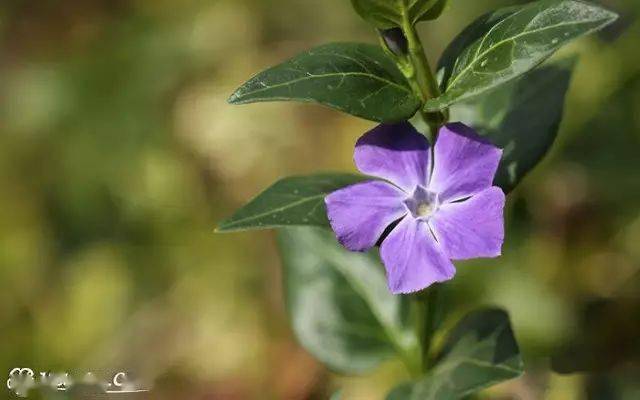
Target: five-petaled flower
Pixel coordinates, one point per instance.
(446, 208)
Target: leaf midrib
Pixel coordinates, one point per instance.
(456, 361)
(323, 76)
(224, 227)
(503, 41)
(475, 388)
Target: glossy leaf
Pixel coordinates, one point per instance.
(297, 200)
(480, 351)
(522, 117)
(385, 14)
(434, 11)
(356, 78)
(505, 44)
(340, 307)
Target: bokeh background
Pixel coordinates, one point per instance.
(118, 155)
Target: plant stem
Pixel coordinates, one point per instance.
(430, 319)
(424, 82)
(415, 67)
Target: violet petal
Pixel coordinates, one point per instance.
(360, 213)
(465, 163)
(471, 228)
(413, 258)
(397, 153)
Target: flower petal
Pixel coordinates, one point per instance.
(397, 153)
(413, 258)
(465, 163)
(360, 213)
(471, 228)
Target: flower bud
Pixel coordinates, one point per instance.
(395, 40)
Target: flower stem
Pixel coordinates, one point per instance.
(406, 49)
(412, 61)
(429, 300)
(425, 86)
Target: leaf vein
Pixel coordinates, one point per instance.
(324, 76)
(500, 43)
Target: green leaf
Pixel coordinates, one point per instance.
(340, 307)
(503, 45)
(296, 200)
(356, 78)
(522, 117)
(480, 351)
(434, 11)
(385, 14)
(401, 392)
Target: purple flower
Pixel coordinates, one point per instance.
(447, 207)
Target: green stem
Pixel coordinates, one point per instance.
(424, 82)
(415, 67)
(429, 323)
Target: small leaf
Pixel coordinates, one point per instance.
(522, 117)
(433, 12)
(356, 78)
(503, 45)
(297, 200)
(481, 351)
(340, 308)
(385, 14)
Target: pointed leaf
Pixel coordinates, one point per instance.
(340, 308)
(356, 78)
(505, 44)
(296, 200)
(521, 117)
(480, 351)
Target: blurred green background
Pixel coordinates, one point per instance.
(118, 155)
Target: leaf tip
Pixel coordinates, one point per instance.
(612, 16)
(608, 16)
(234, 98)
(221, 228)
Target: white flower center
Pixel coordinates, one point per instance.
(422, 203)
(425, 209)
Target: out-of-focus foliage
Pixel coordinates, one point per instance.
(481, 351)
(339, 304)
(118, 153)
